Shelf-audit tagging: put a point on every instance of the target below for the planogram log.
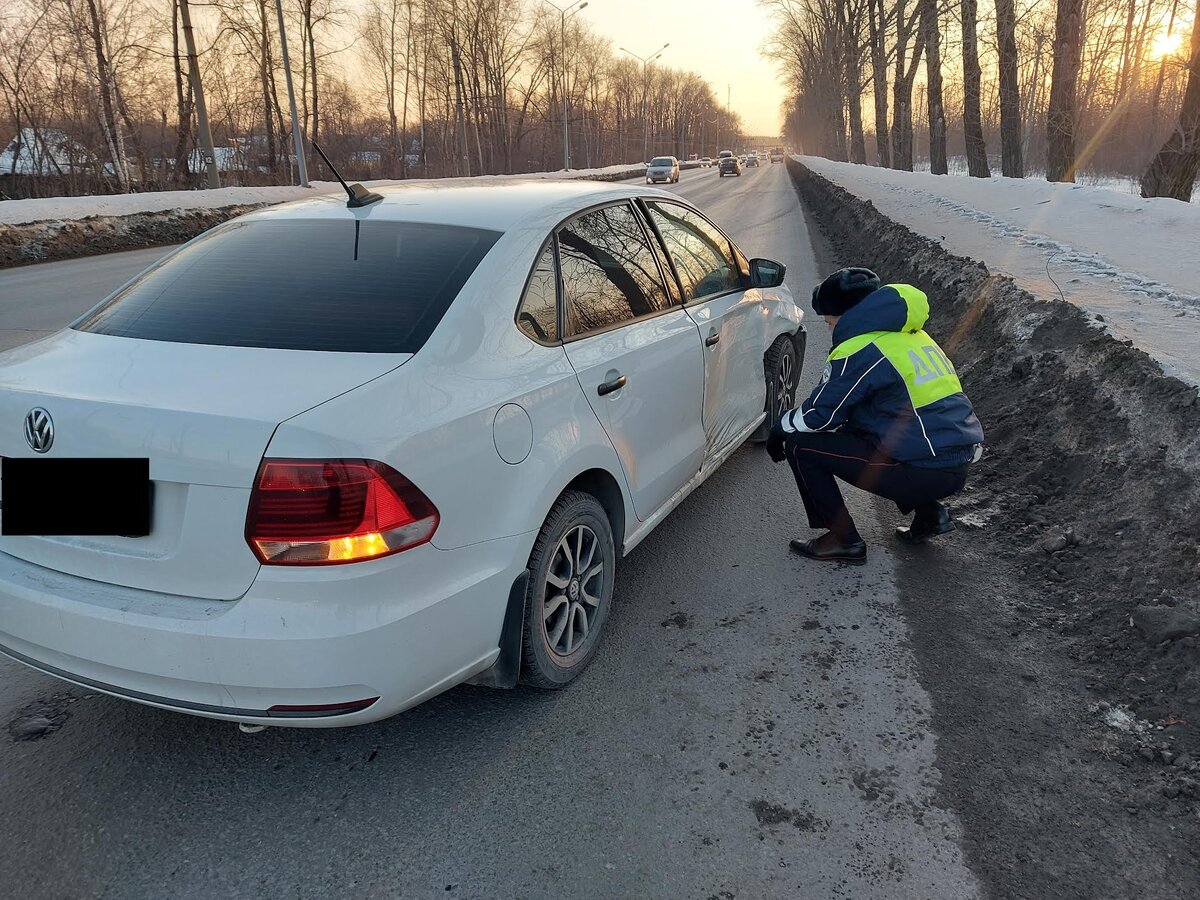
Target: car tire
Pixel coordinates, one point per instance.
(781, 371)
(575, 536)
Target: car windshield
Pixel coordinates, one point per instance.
(354, 286)
(661, 161)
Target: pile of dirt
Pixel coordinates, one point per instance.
(1085, 513)
(48, 241)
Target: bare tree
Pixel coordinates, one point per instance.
(1011, 160)
(877, 22)
(931, 29)
(977, 162)
(906, 26)
(1060, 119)
(1174, 170)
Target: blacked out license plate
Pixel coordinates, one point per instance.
(75, 497)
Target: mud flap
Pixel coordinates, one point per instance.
(505, 672)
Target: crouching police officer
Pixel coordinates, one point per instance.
(889, 417)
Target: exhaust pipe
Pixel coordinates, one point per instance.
(247, 728)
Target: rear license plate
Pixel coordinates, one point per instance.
(75, 497)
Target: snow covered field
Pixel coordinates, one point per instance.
(1134, 262)
(20, 212)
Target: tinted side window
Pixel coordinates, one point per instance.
(301, 284)
(537, 315)
(703, 257)
(608, 269)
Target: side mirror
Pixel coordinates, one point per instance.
(766, 273)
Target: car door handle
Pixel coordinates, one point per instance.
(614, 384)
(712, 339)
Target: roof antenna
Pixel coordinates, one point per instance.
(359, 195)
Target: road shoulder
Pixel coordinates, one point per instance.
(1064, 721)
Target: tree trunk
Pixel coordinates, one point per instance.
(1174, 170)
(390, 74)
(902, 116)
(104, 85)
(977, 162)
(1012, 163)
(183, 105)
(858, 144)
(933, 82)
(409, 44)
(902, 125)
(852, 83)
(264, 77)
(1060, 118)
(878, 35)
(312, 62)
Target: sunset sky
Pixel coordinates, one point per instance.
(722, 40)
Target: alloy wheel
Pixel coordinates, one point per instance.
(574, 583)
(785, 384)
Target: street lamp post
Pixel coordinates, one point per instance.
(645, 91)
(564, 13)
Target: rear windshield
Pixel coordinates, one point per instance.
(662, 161)
(355, 286)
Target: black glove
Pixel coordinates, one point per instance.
(775, 443)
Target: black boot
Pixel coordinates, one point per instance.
(830, 548)
(930, 521)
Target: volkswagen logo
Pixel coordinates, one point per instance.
(39, 430)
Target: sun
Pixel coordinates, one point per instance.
(1165, 45)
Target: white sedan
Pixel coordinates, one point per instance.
(323, 463)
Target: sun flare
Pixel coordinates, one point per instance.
(1166, 45)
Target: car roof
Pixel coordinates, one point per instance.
(496, 204)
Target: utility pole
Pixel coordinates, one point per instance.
(564, 13)
(645, 92)
(297, 138)
(205, 134)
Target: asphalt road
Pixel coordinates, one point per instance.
(752, 726)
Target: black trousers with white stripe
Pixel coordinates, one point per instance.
(819, 458)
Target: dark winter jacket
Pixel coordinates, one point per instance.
(890, 383)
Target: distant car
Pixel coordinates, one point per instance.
(752, 160)
(706, 162)
(777, 155)
(662, 168)
(724, 153)
(729, 165)
(333, 461)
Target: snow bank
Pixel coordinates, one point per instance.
(21, 212)
(67, 227)
(1133, 263)
(1089, 489)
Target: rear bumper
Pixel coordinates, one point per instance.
(400, 629)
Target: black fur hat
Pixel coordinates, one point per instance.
(842, 290)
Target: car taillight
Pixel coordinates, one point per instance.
(319, 512)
